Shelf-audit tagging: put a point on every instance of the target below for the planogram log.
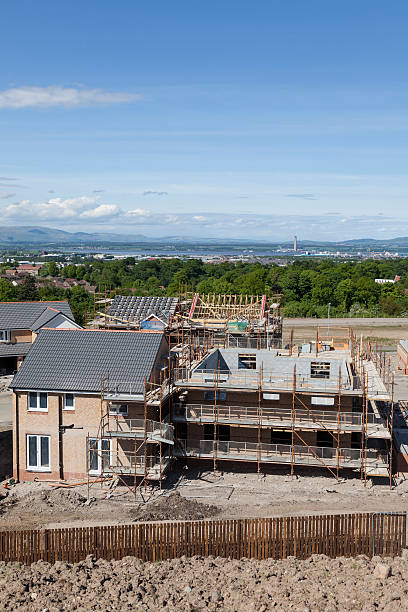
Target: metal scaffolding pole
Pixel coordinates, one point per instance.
(293, 422)
(338, 425)
(259, 419)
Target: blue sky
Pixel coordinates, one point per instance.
(221, 119)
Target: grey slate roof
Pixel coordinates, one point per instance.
(46, 318)
(18, 349)
(136, 308)
(23, 315)
(75, 360)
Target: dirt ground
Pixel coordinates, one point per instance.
(195, 494)
(318, 584)
(384, 330)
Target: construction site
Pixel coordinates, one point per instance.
(236, 415)
(231, 395)
(244, 321)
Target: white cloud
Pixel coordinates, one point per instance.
(103, 210)
(55, 208)
(54, 95)
(138, 212)
(148, 192)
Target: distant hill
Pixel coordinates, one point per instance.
(37, 235)
(48, 235)
(401, 241)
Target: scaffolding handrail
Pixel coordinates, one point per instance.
(198, 411)
(154, 429)
(250, 378)
(249, 450)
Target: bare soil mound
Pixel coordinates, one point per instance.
(173, 508)
(318, 584)
(44, 501)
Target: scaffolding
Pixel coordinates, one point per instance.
(366, 376)
(244, 321)
(369, 461)
(148, 442)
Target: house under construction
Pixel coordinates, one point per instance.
(245, 321)
(325, 409)
(126, 406)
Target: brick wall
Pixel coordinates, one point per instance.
(86, 415)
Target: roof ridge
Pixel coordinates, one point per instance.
(36, 302)
(111, 331)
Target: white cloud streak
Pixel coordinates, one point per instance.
(66, 97)
(86, 212)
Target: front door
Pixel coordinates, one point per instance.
(99, 455)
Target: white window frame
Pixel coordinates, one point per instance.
(99, 451)
(117, 412)
(318, 400)
(69, 408)
(38, 467)
(5, 335)
(271, 397)
(38, 405)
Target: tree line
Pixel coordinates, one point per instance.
(307, 286)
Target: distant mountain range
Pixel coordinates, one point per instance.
(37, 235)
(47, 236)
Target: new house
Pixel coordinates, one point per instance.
(20, 323)
(92, 403)
(271, 407)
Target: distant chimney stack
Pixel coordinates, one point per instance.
(295, 244)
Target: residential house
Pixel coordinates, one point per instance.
(92, 403)
(270, 407)
(20, 323)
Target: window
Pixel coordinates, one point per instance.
(223, 432)
(355, 439)
(38, 453)
(247, 362)
(318, 400)
(210, 395)
(279, 436)
(118, 409)
(99, 455)
(38, 401)
(320, 369)
(357, 404)
(273, 397)
(181, 431)
(69, 401)
(4, 335)
(325, 439)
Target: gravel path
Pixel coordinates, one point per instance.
(318, 584)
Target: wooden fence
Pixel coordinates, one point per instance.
(261, 538)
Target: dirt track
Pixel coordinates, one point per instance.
(199, 495)
(384, 329)
(318, 584)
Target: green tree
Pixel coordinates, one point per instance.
(7, 291)
(27, 290)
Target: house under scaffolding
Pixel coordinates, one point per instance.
(246, 321)
(133, 451)
(332, 409)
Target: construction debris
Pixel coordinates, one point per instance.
(174, 507)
